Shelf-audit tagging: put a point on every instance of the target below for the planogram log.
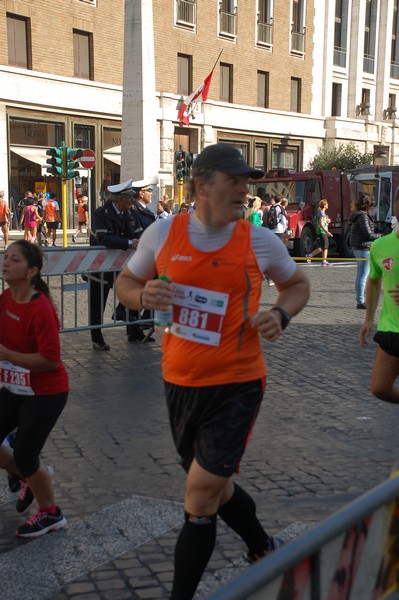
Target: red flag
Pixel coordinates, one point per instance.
(199, 95)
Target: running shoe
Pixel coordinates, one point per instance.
(309, 261)
(325, 263)
(272, 544)
(41, 523)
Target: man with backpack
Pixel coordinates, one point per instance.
(275, 218)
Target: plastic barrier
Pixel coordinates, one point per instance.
(352, 555)
(67, 270)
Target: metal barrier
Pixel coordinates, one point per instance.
(66, 272)
(352, 555)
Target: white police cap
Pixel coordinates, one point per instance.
(143, 184)
(126, 186)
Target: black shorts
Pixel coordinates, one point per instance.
(322, 241)
(52, 224)
(213, 423)
(388, 341)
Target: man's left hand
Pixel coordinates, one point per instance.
(268, 323)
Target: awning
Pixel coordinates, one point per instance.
(36, 155)
(113, 154)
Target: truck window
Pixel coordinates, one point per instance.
(296, 191)
(383, 208)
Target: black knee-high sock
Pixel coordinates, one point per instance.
(193, 550)
(239, 513)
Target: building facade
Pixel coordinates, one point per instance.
(287, 78)
(61, 74)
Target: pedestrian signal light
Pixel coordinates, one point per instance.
(54, 163)
(71, 162)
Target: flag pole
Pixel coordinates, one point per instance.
(217, 60)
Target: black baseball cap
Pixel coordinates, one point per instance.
(225, 158)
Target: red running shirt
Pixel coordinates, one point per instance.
(34, 327)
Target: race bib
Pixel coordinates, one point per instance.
(198, 314)
(16, 379)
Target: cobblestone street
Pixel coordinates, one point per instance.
(320, 441)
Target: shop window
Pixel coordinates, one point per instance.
(263, 89)
(184, 74)
(112, 156)
(226, 82)
(18, 41)
(82, 52)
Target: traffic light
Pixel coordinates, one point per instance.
(189, 163)
(180, 163)
(54, 163)
(71, 162)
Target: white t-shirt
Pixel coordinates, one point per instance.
(271, 254)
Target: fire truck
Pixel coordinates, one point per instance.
(305, 189)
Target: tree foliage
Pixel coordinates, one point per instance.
(342, 157)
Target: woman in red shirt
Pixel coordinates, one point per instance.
(33, 381)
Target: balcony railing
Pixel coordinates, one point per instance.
(265, 33)
(368, 63)
(298, 42)
(186, 11)
(395, 70)
(339, 57)
(228, 23)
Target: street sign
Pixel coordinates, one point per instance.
(88, 160)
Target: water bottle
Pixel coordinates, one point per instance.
(163, 319)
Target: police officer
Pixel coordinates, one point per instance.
(110, 227)
(141, 217)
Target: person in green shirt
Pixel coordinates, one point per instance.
(253, 213)
(323, 235)
(384, 269)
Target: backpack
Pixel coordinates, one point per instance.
(272, 217)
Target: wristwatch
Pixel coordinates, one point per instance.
(285, 317)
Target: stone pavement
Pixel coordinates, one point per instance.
(320, 441)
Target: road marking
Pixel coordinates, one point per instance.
(41, 567)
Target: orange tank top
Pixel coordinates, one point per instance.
(51, 211)
(3, 211)
(81, 213)
(215, 293)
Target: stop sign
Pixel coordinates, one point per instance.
(88, 160)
